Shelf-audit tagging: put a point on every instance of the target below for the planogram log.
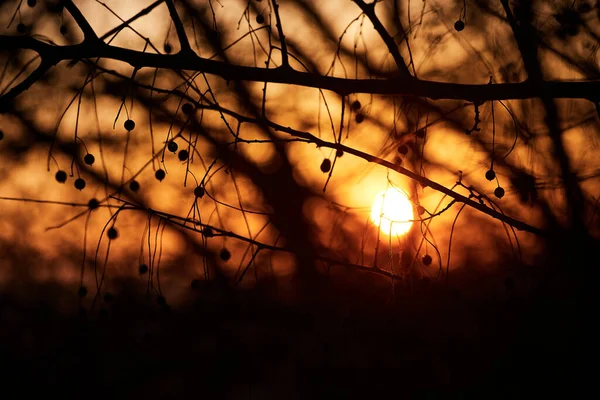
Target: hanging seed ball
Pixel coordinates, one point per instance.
(359, 118)
(420, 133)
(208, 232)
(61, 176)
(459, 25)
(490, 175)
(129, 125)
(82, 291)
(167, 48)
(1, 135)
(339, 153)
(63, 29)
(79, 184)
(31, 3)
(183, 155)
(420, 210)
(188, 108)
(89, 159)
(225, 254)
(108, 297)
(112, 233)
(499, 192)
(161, 301)
(260, 19)
(403, 149)
(355, 105)
(143, 268)
(93, 204)
(21, 28)
(199, 192)
(398, 160)
(160, 174)
(134, 186)
(426, 259)
(172, 146)
(326, 165)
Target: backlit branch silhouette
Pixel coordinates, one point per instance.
(419, 104)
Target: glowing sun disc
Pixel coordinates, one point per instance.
(392, 211)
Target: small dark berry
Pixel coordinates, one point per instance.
(490, 175)
(93, 204)
(63, 29)
(398, 160)
(225, 254)
(143, 268)
(420, 210)
(160, 174)
(129, 125)
(161, 301)
(208, 232)
(31, 3)
(172, 146)
(183, 155)
(82, 291)
(112, 233)
(61, 176)
(339, 153)
(356, 105)
(21, 28)
(359, 118)
(188, 108)
(403, 149)
(199, 192)
(108, 297)
(79, 184)
(168, 48)
(1, 135)
(260, 19)
(134, 186)
(89, 159)
(459, 25)
(426, 259)
(499, 192)
(326, 165)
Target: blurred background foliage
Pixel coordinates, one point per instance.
(267, 186)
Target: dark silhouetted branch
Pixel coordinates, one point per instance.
(369, 10)
(183, 39)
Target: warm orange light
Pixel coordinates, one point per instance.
(392, 211)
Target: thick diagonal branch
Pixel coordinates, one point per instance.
(84, 25)
(369, 10)
(179, 28)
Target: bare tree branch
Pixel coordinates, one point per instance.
(369, 10)
(284, 51)
(85, 26)
(401, 86)
(183, 39)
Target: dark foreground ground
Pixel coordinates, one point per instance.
(342, 341)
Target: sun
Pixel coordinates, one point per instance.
(392, 211)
